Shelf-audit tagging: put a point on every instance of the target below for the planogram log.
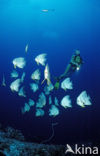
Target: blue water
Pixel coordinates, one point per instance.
(73, 24)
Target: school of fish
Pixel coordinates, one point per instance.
(46, 98)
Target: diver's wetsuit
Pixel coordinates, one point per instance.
(72, 66)
(72, 63)
(76, 62)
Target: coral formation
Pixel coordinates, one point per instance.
(12, 143)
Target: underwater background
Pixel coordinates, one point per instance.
(68, 25)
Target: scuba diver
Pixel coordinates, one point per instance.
(75, 63)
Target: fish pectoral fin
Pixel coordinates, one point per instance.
(42, 81)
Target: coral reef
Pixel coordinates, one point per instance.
(12, 143)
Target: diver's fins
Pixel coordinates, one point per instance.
(56, 86)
